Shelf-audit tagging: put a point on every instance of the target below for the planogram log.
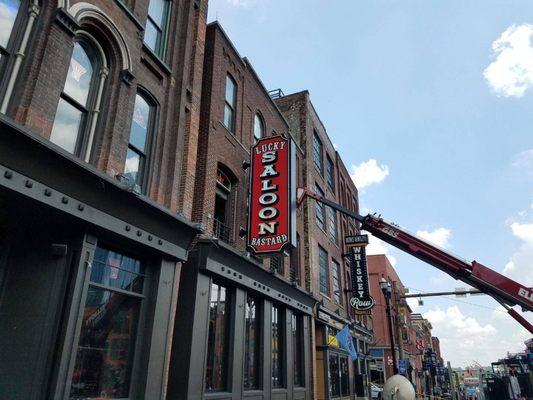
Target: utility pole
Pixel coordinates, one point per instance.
(397, 316)
(387, 289)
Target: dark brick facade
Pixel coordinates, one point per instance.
(191, 145)
(174, 83)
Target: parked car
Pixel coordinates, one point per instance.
(376, 392)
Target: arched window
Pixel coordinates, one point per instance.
(156, 26)
(15, 28)
(259, 127)
(79, 103)
(141, 134)
(230, 102)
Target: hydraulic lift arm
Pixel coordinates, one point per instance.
(505, 291)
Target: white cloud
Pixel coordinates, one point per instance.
(413, 303)
(511, 73)
(519, 266)
(368, 173)
(463, 337)
(439, 236)
(377, 246)
(524, 162)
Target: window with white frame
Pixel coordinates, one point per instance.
(78, 107)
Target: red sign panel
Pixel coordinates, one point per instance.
(271, 219)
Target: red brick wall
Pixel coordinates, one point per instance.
(220, 147)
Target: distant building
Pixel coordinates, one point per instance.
(380, 267)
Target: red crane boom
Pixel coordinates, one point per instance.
(505, 291)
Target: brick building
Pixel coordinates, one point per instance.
(251, 337)
(423, 339)
(124, 272)
(99, 114)
(326, 272)
(382, 367)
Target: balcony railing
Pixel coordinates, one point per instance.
(221, 231)
(276, 94)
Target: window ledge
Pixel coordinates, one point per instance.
(154, 57)
(131, 15)
(233, 137)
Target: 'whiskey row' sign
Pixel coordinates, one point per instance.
(361, 299)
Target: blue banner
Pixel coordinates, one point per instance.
(346, 342)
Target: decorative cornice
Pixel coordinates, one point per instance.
(127, 77)
(67, 21)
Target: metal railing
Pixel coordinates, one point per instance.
(276, 93)
(221, 231)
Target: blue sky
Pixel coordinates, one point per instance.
(440, 95)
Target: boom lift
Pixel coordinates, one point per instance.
(505, 291)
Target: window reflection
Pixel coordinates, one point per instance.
(142, 128)
(259, 127)
(217, 346)
(8, 14)
(106, 347)
(156, 25)
(66, 126)
(297, 350)
(230, 102)
(73, 108)
(252, 345)
(80, 73)
(277, 348)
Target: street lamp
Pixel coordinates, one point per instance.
(387, 292)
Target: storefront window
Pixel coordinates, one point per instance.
(277, 348)
(217, 346)
(106, 348)
(252, 344)
(344, 376)
(334, 375)
(297, 349)
(339, 377)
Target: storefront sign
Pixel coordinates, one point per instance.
(272, 206)
(402, 367)
(323, 316)
(333, 341)
(361, 299)
(356, 240)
